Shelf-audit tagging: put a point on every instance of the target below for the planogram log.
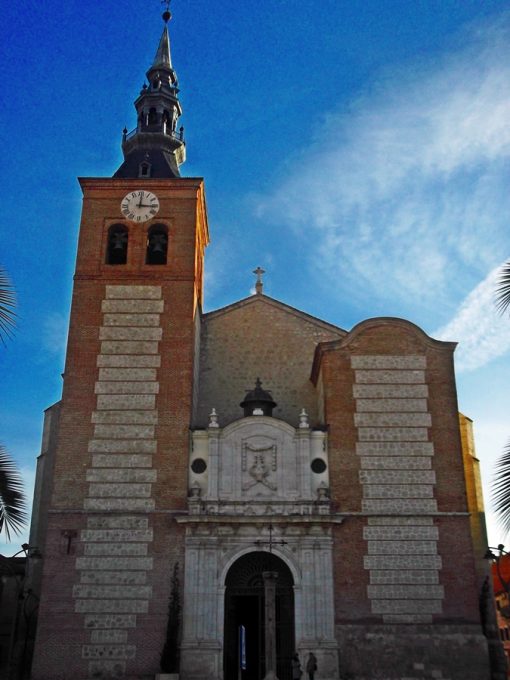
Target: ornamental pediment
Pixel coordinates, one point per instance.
(256, 463)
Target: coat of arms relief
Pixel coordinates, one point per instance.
(258, 465)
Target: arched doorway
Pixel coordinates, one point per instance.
(244, 606)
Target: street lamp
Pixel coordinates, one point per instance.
(24, 598)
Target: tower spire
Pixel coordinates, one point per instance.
(156, 147)
(163, 58)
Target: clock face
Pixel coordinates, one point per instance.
(139, 205)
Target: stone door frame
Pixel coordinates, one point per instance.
(245, 580)
(212, 547)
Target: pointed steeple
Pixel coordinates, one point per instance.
(163, 58)
(156, 148)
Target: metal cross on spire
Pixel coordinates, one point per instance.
(271, 542)
(259, 284)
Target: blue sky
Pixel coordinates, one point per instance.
(358, 151)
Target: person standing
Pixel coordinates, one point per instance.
(296, 667)
(311, 665)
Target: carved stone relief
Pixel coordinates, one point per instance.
(256, 466)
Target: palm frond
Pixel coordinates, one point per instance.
(503, 289)
(7, 305)
(501, 489)
(13, 508)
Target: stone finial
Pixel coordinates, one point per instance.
(322, 491)
(167, 14)
(213, 419)
(303, 420)
(259, 284)
(195, 490)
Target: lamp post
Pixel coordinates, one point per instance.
(15, 660)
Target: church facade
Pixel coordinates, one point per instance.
(193, 454)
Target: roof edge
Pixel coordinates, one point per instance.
(251, 299)
(359, 328)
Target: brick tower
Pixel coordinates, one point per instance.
(120, 455)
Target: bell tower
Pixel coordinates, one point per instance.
(121, 449)
(155, 148)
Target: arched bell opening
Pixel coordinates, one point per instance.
(157, 245)
(245, 601)
(117, 245)
(153, 116)
(167, 121)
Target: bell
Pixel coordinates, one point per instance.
(118, 241)
(158, 243)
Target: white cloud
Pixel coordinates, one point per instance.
(54, 334)
(229, 260)
(406, 198)
(482, 333)
(218, 269)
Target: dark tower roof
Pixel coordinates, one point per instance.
(258, 401)
(156, 147)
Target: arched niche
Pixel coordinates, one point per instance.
(144, 169)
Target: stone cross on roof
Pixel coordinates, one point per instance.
(258, 284)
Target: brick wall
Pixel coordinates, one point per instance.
(395, 457)
(404, 553)
(259, 337)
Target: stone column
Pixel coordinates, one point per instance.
(303, 468)
(214, 463)
(270, 622)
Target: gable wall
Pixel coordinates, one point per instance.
(259, 339)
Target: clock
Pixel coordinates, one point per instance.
(139, 205)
